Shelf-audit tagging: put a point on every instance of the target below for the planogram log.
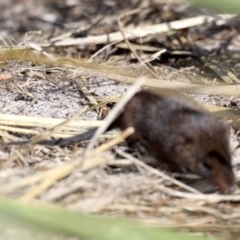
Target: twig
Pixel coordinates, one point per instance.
(128, 43)
(211, 198)
(54, 175)
(142, 31)
(157, 172)
(115, 112)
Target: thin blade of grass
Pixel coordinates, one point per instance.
(92, 227)
(232, 6)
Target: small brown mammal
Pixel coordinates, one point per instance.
(173, 132)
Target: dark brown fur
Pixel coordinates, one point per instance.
(185, 138)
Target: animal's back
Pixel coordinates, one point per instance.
(182, 137)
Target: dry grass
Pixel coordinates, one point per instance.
(108, 181)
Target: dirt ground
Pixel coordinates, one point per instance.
(192, 55)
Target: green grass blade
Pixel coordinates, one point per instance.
(232, 6)
(67, 222)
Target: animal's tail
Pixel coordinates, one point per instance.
(62, 141)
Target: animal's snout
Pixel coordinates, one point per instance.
(227, 188)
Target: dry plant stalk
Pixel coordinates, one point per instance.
(90, 161)
(115, 112)
(191, 209)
